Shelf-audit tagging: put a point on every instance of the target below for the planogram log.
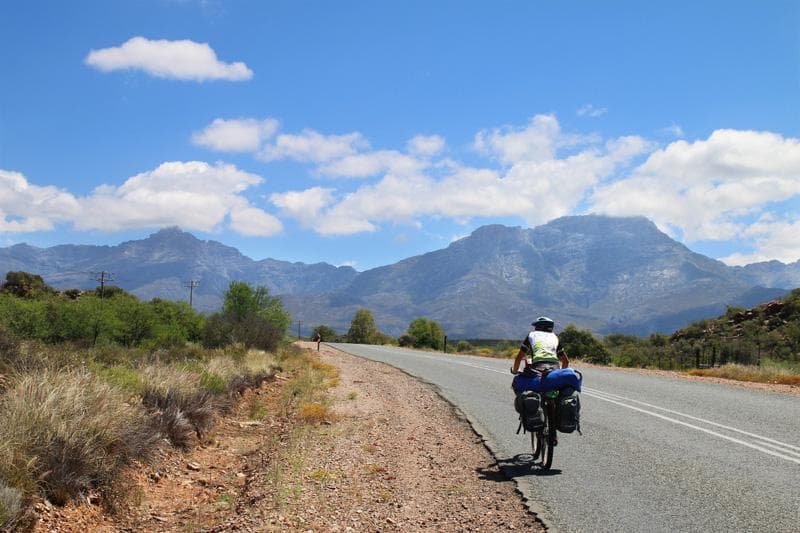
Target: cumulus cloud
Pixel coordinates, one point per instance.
(190, 194)
(311, 146)
(178, 60)
(25, 207)
(708, 189)
(194, 195)
(303, 204)
(538, 141)
(537, 184)
(774, 237)
(372, 163)
(255, 222)
(425, 145)
(236, 135)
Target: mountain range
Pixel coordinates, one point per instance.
(608, 274)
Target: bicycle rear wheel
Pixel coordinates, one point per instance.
(548, 437)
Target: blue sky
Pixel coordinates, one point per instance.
(365, 132)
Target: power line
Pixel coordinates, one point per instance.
(191, 285)
(103, 277)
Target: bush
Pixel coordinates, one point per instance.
(580, 343)
(72, 433)
(26, 285)
(217, 332)
(406, 340)
(256, 331)
(179, 402)
(427, 333)
(463, 346)
(326, 333)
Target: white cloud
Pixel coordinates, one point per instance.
(236, 135)
(193, 194)
(588, 110)
(311, 146)
(710, 188)
(537, 185)
(372, 163)
(303, 205)
(248, 220)
(538, 141)
(774, 237)
(425, 145)
(179, 60)
(25, 207)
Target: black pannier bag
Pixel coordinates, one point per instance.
(529, 405)
(569, 410)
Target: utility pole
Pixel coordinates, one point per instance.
(104, 277)
(299, 322)
(191, 285)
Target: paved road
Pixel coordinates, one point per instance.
(657, 454)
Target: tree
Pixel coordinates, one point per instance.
(249, 315)
(112, 291)
(426, 333)
(362, 328)
(26, 285)
(582, 344)
(326, 333)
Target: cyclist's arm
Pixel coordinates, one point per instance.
(562, 356)
(519, 360)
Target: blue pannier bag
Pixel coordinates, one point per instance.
(555, 379)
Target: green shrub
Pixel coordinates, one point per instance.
(124, 377)
(426, 333)
(580, 343)
(463, 346)
(406, 340)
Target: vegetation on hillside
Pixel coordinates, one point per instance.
(90, 385)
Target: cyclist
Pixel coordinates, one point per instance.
(540, 349)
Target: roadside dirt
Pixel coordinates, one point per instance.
(393, 456)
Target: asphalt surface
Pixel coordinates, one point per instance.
(656, 454)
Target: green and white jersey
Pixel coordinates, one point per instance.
(542, 346)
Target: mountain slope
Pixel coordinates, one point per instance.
(599, 272)
(604, 273)
(159, 265)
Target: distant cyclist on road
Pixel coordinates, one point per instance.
(540, 349)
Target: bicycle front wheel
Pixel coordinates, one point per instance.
(538, 444)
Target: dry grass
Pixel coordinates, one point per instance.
(314, 413)
(79, 417)
(72, 433)
(10, 506)
(179, 402)
(758, 374)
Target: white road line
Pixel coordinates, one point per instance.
(698, 428)
(782, 447)
(703, 420)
